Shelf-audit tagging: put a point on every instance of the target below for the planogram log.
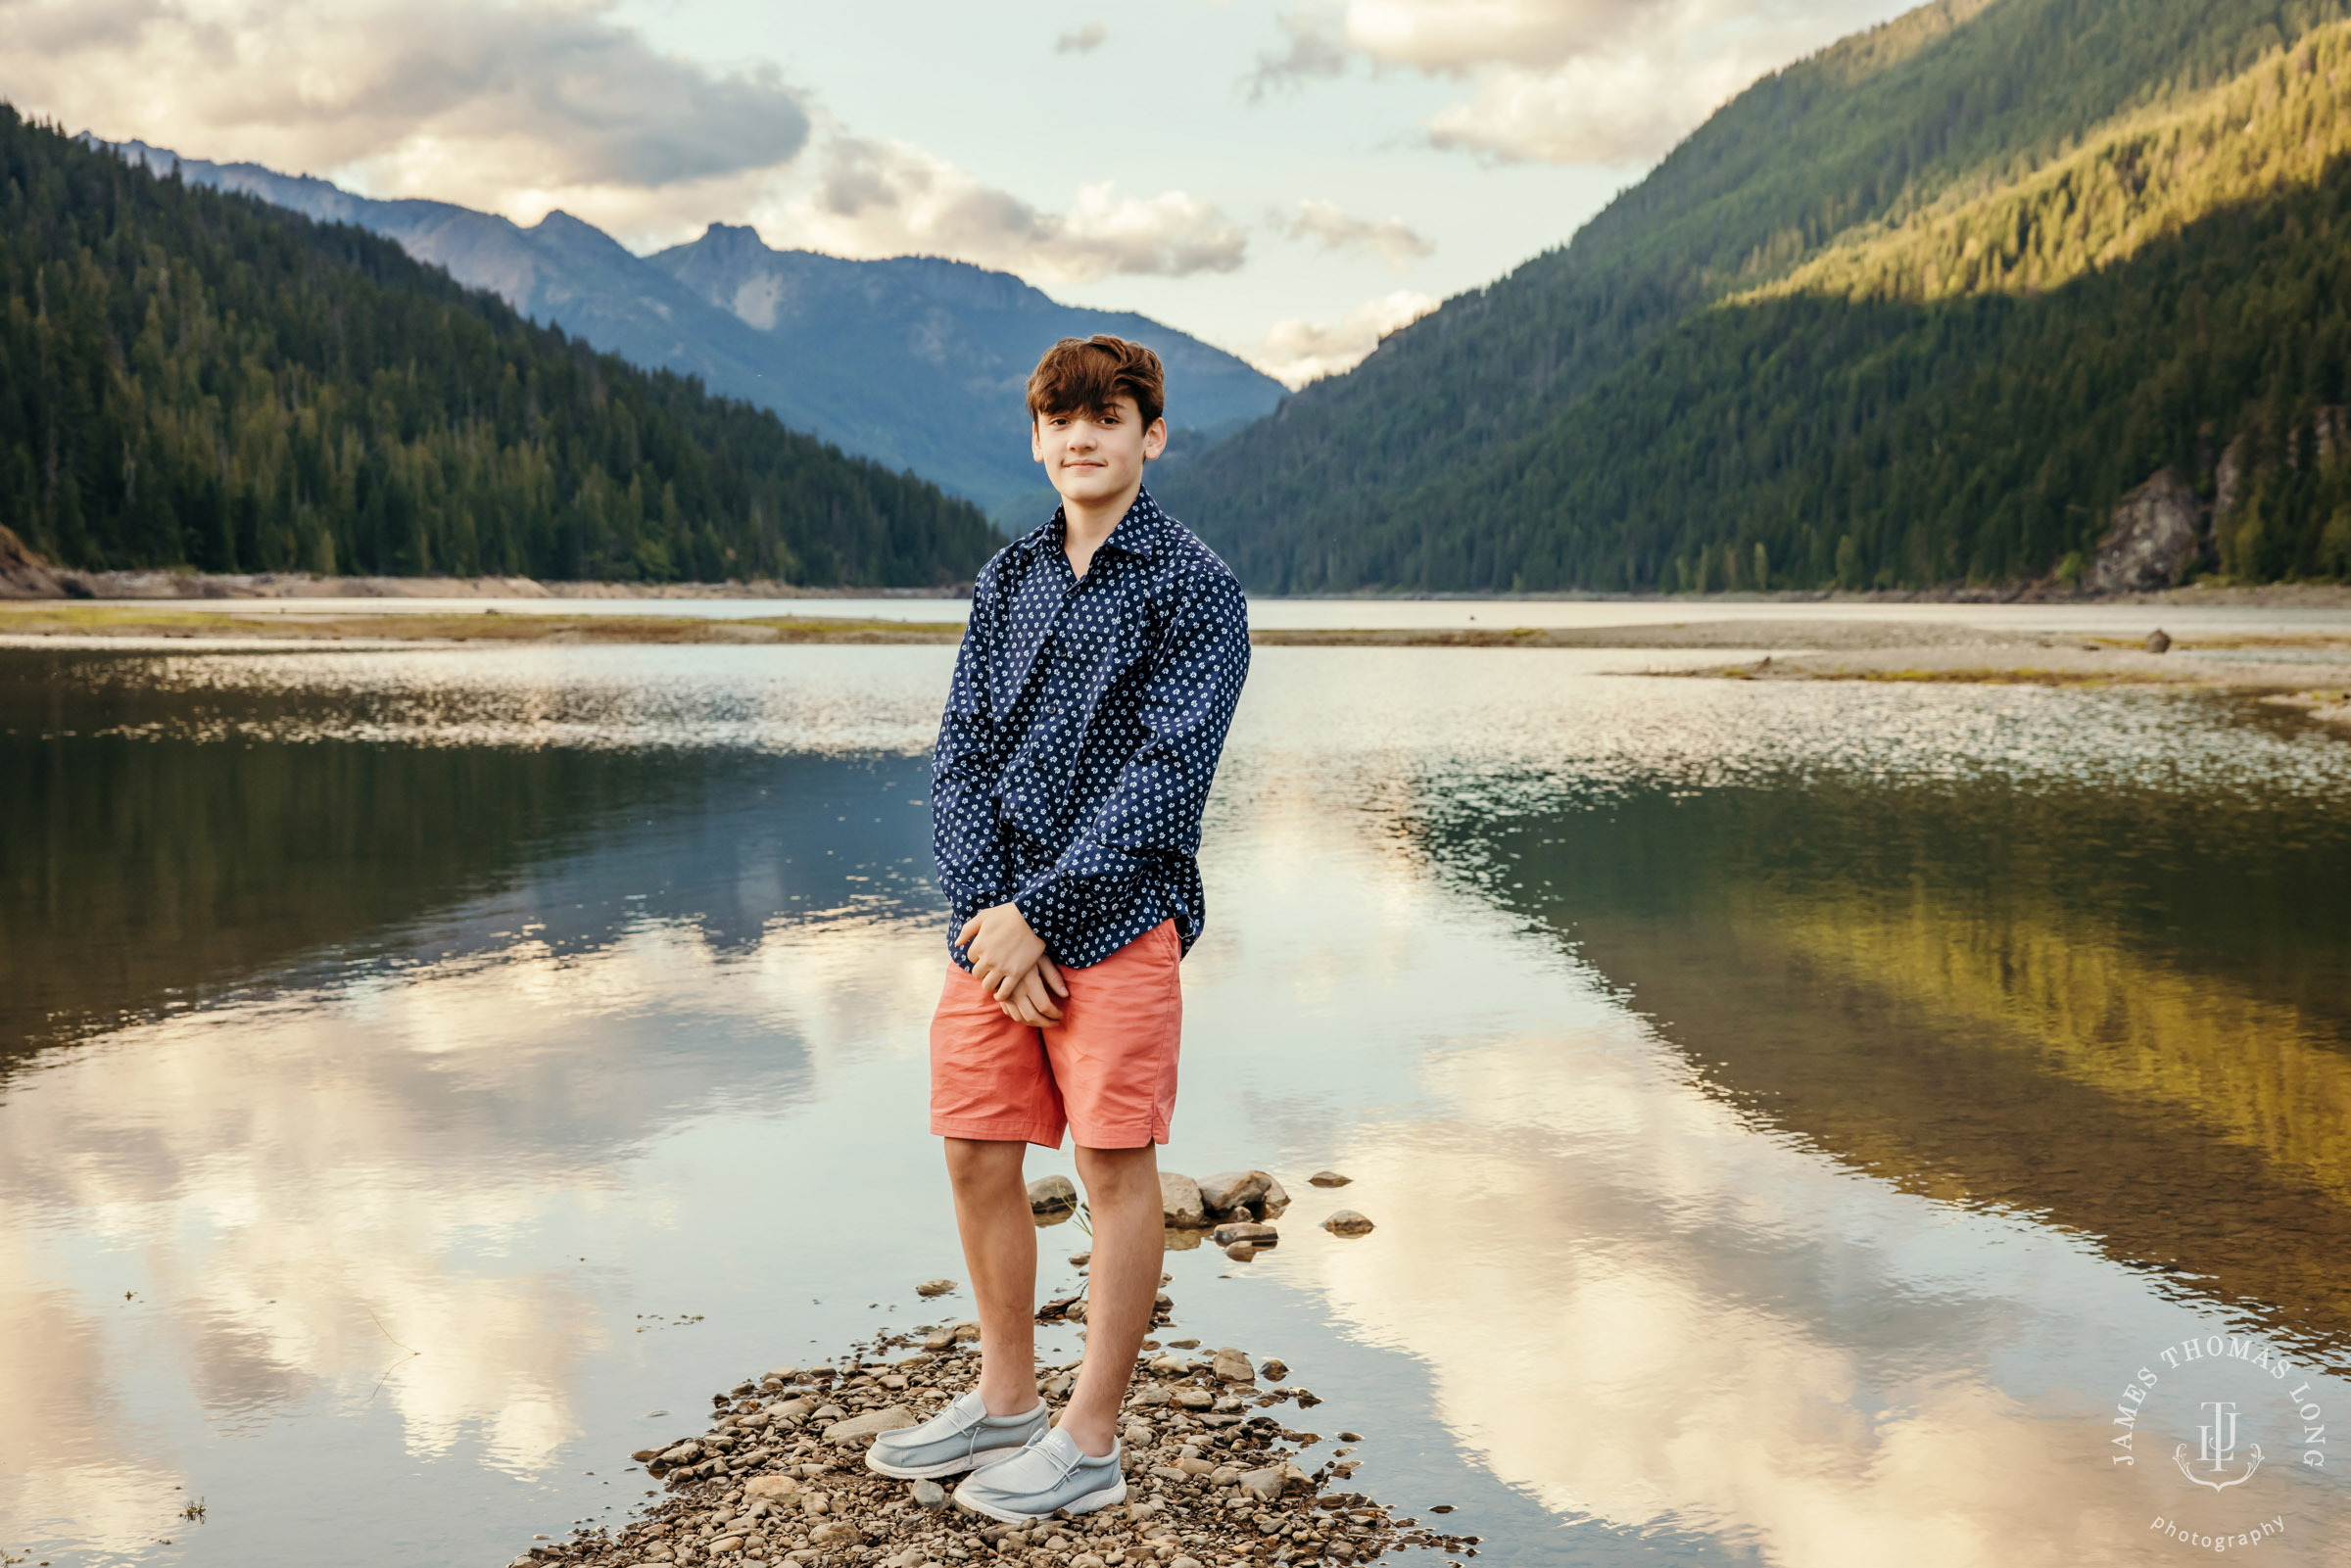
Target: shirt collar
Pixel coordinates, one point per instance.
(1137, 533)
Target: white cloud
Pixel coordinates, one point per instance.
(1084, 41)
(483, 104)
(885, 198)
(1296, 352)
(1568, 82)
(1392, 239)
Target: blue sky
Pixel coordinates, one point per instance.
(1285, 179)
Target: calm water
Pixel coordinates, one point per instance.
(1792, 1114)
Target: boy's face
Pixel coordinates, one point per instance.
(1098, 456)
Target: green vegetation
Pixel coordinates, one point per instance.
(188, 378)
(1916, 310)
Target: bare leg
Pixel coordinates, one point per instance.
(1122, 1189)
(999, 1248)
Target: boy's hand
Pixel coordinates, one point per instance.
(1032, 1001)
(1003, 950)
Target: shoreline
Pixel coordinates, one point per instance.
(27, 578)
(2308, 672)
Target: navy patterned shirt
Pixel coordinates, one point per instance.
(1081, 732)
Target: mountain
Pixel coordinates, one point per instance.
(194, 377)
(1955, 301)
(916, 362)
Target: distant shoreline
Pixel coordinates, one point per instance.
(27, 579)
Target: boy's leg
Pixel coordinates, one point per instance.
(1122, 1190)
(999, 1248)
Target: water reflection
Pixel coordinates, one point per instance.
(1783, 1108)
(2127, 1012)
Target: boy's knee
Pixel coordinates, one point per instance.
(1106, 1171)
(972, 1162)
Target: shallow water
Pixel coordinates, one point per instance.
(1792, 1113)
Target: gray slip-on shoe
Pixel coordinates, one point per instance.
(1050, 1476)
(962, 1437)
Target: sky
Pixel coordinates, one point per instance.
(1288, 179)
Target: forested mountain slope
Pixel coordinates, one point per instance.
(193, 377)
(1534, 434)
(915, 362)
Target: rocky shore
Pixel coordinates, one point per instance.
(1215, 1478)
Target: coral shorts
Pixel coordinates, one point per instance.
(1106, 1073)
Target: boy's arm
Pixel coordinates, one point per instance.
(964, 835)
(1154, 810)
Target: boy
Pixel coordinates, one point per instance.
(1089, 704)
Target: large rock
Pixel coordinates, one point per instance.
(1228, 1190)
(1179, 1202)
(23, 573)
(1052, 1195)
(2154, 535)
(862, 1428)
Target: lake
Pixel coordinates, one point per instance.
(1796, 1116)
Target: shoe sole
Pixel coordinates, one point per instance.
(1109, 1496)
(975, 1463)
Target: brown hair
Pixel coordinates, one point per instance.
(1085, 375)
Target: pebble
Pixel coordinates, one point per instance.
(1248, 1232)
(1347, 1223)
(934, 1287)
(857, 1428)
(1328, 1178)
(930, 1495)
(1049, 1195)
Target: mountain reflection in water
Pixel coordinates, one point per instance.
(1786, 1111)
(2125, 1013)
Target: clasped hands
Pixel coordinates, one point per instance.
(1009, 959)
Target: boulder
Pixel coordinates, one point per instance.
(1275, 1201)
(863, 1428)
(1052, 1195)
(1347, 1223)
(1179, 1202)
(1228, 1190)
(2155, 533)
